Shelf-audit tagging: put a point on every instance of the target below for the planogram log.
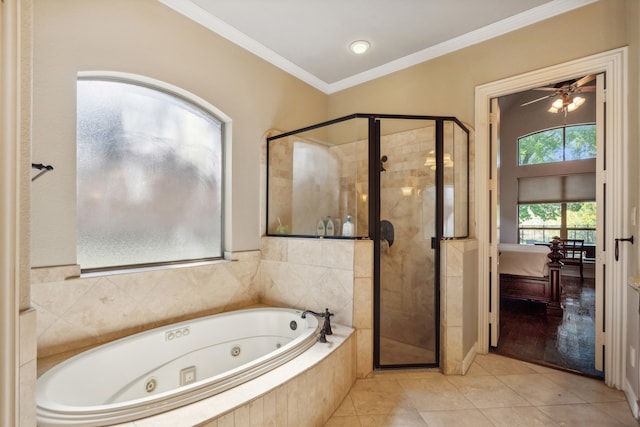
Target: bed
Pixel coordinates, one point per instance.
(531, 272)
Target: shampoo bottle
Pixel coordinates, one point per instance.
(347, 227)
(320, 229)
(329, 228)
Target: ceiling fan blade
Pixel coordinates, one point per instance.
(586, 89)
(584, 80)
(548, 89)
(536, 100)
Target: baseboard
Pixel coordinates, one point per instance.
(632, 399)
(468, 359)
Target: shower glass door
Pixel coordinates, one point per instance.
(407, 303)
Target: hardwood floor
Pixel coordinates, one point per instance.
(566, 342)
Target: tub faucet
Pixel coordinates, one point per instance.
(326, 327)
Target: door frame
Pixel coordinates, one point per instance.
(614, 64)
(10, 221)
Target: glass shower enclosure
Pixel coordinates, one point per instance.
(403, 182)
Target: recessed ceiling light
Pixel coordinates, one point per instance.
(359, 46)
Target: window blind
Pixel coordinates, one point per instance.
(557, 188)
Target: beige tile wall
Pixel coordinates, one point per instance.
(406, 266)
(27, 359)
(315, 274)
(307, 400)
(458, 305)
(76, 312)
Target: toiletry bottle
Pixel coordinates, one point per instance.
(329, 227)
(320, 229)
(347, 227)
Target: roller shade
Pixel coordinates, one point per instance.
(557, 188)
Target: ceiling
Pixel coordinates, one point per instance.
(310, 40)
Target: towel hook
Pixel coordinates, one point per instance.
(42, 168)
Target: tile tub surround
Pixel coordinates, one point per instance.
(302, 392)
(28, 364)
(312, 273)
(76, 312)
(458, 305)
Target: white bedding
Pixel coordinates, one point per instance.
(524, 260)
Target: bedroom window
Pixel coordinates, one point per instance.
(149, 176)
(560, 144)
(540, 222)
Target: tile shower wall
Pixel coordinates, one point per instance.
(78, 312)
(402, 293)
(316, 274)
(309, 180)
(407, 194)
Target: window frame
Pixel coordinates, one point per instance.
(563, 129)
(225, 123)
(563, 229)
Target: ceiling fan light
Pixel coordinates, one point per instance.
(553, 109)
(431, 158)
(557, 104)
(578, 101)
(359, 46)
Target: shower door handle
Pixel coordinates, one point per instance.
(617, 249)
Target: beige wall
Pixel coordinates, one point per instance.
(147, 38)
(445, 85)
(144, 37)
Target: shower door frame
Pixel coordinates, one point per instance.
(374, 223)
(374, 165)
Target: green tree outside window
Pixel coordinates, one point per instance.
(557, 145)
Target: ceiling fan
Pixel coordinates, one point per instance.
(566, 94)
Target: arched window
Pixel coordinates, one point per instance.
(560, 144)
(563, 204)
(149, 176)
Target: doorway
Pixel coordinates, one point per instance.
(547, 188)
(611, 345)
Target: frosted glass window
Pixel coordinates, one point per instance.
(149, 171)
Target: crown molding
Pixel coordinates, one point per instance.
(521, 20)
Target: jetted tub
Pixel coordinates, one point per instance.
(171, 366)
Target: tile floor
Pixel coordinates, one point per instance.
(497, 391)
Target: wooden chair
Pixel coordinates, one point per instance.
(572, 250)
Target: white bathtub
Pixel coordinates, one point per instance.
(172, 366)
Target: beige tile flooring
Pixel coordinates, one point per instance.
(497, 391)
